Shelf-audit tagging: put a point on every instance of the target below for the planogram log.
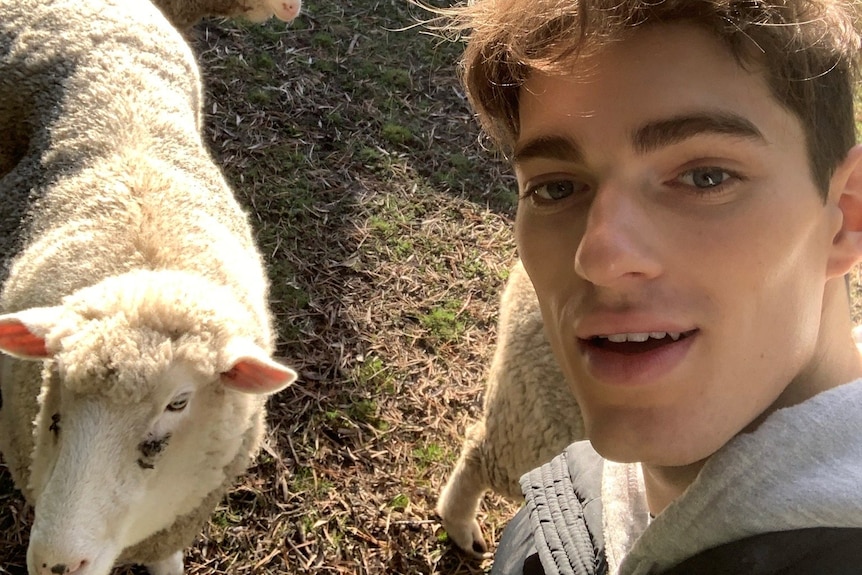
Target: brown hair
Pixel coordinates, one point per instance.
(808, 50)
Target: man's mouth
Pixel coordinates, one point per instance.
(633, 343)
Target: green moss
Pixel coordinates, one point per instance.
(260, 96)
(322, 40)
(395, 78)
(396, 134)
(400, 502)
(428, 454)
(444, 323)
(262, 61)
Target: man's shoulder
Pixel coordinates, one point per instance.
(515, 547)
(578, 467)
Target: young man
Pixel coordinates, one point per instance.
(691, 200)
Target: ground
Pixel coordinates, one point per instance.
(387, 224)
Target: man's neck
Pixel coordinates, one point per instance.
(837, 361)
(664, 484)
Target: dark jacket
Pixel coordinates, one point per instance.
(517, 554)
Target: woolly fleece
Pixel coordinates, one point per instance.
(109, 195)
(529, 416)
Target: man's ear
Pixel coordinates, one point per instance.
(845, 187)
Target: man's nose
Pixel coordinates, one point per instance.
(617, 242)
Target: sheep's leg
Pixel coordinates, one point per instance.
(458, 503)
(173, 565)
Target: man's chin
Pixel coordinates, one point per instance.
(658, 450)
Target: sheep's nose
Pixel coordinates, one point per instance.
(48, 567)
(286, 10)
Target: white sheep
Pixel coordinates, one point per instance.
(529, 416)
(184, 13)
(135, 313)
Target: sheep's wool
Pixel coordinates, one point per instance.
(172, 316)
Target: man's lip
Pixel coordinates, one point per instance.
(680, 334)
(616, 366)
(609, 323)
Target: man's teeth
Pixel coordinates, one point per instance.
(641, 337)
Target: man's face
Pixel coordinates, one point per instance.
(676, 240)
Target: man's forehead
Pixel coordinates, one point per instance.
(659, 89)
(681, 45)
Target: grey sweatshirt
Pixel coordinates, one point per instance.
(801, 468)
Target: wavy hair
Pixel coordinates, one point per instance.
(808, 50)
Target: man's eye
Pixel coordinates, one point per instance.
(556, 190)
(704, 178)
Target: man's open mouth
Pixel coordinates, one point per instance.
(632, 343)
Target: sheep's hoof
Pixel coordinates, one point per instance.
(173, 565)
(468, 537)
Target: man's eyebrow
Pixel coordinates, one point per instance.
(655, 135)
(647, 138)
(548, 147)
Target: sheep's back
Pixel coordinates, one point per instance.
(105, 102)
(77, 81)
(530, 414)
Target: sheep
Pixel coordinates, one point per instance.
(184, 13)
(529, 416)
(134, 322)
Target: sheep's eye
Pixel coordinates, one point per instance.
(179, 403)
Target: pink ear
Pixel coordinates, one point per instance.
(258, 375)
(19, 340)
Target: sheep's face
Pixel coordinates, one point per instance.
(108, 474)
(148, 394)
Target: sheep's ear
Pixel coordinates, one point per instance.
(22, 334)
(252, 371)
